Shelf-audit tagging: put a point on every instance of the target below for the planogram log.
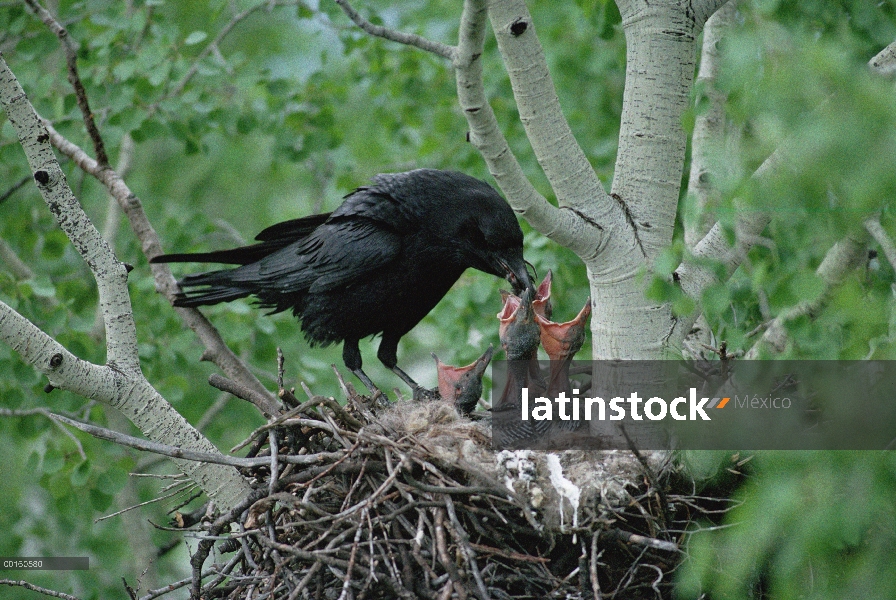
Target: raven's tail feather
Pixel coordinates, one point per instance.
(204, 289)
(272, 239)
(235, 256)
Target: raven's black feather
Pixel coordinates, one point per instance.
(377, 264)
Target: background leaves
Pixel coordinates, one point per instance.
(294, 108)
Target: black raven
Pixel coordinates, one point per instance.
(377, 264)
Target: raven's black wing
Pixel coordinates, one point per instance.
(272, 239)
(334, 255)
(366, 233)
(292, 230)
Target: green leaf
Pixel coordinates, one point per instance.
(195, 38)
(53, 460)
(99, 500)
(716, 299)
(80, 474)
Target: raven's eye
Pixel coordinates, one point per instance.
(474, 235)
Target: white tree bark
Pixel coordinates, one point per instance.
(841, 260)
(708, 138)
(616, 235)
(120, 382)
(564, 227)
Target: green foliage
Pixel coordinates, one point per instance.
(811, 525)
(295, 108)
(292, 110)
(797, 80)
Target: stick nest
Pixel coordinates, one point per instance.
(410, 501)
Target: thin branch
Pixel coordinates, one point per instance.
(874, 227)
(212, 411)
(842, 259)
(192, 455)
(592, 567)
(463, 540)
(213, 46)
(408, 39)
(157, 593)
(38, 589)
(177, 491)
(633, 538)
(884, 63)
(216, 349)
(70, 47)
(15, 187)
(16, 266)
(263, 402)
(6, 412)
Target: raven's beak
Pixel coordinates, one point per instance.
(517, 273)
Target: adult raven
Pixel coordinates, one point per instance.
(377, 264)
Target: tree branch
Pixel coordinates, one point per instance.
(874, 227)
(559, 154)
(215, 43)
(109, 272)
(709, 130)
(119, 383)
(263, 401)
(70, 48)
(564, 227)
(694, 277)
(14, 188)
(842, 259)
(216, 349)
(18, 268)
(113, 219)
(884, 63)
(38, 589)
(5, 412)
(408, 39)
(704, 9)
(192, 455)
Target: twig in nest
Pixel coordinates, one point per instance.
(441, 548)
(463, 541)
(633, 538)
(648, 472)
(592, 566)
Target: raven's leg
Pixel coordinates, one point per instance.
(351, 356)
(388, 355)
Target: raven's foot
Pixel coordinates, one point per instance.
(375, 392)
(422, 394)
